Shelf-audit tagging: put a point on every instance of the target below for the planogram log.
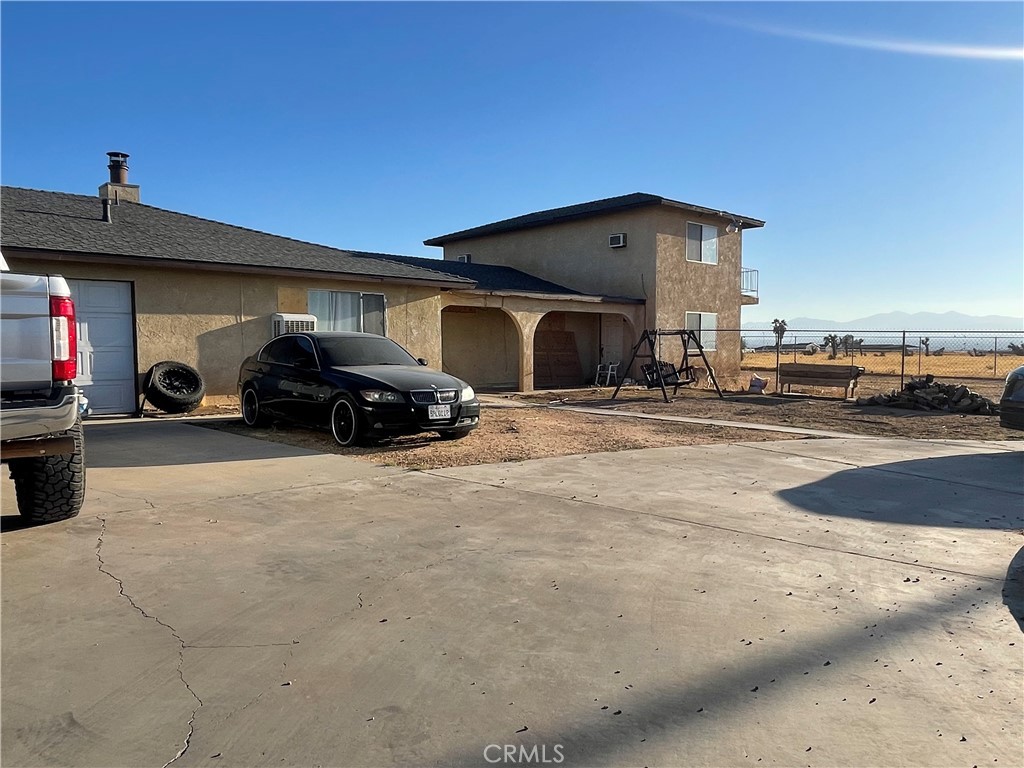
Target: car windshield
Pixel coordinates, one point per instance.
(373, 350)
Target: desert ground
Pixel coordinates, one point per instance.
(985, 375)
(518, 427)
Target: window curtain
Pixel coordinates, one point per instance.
(705, 324)
(709, 330)
(709, 245)
(335, 310)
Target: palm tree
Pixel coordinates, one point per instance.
(779, 329)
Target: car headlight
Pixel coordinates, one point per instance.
(467, 394)
(381, 396)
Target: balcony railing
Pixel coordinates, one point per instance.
(748, 282)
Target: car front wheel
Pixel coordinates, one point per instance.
(345, 423)
(252, 414)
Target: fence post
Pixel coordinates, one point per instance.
(903, 359)
(778, 352)
(995, 356)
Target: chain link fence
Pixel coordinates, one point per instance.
(979, 359)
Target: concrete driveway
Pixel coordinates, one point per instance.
(224, 601)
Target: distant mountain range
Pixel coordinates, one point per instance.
(902, 321)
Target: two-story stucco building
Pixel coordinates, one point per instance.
(684, 262)
(535, 301)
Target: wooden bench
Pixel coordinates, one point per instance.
(820, 375)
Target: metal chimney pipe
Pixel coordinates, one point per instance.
(106, 210)
(118, 167)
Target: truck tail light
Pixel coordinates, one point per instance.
(65, 338)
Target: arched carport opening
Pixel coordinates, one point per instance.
(618, 335)
(568, 346)
(480, 345)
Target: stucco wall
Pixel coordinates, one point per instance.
(576, 254)
(526, 313)
(213, 320)
(652, 266)
(480, 346)
(686, 286)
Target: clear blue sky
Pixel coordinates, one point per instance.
(890, 175)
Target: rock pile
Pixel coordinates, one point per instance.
(926, 394)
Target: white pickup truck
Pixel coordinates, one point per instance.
(40, 407)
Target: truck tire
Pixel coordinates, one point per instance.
(174, 387)
(51, 488)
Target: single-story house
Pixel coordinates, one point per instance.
(532, 302)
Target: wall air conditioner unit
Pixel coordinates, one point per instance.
(465, 258)
(289, 323)
(617, 240)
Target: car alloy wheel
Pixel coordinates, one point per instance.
(344, 423)
(251, 409)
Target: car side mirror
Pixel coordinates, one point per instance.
(422, 361)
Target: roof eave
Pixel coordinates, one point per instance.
(488, 230)
(467, 234)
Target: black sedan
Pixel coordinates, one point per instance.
(358, 385)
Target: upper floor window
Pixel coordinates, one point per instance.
(701, 243)
(348, 311)
(706, 326)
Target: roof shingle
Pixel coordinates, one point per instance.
(488, 277)
(62, 222)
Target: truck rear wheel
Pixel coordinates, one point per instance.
(51, 488)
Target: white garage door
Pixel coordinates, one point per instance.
(106, 344)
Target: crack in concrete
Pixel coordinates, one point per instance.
(174, 633)
(143, 499)
(254, 645)
(289, 489)
(301, 635)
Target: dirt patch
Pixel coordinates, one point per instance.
(511, 434)
(794, 411)
(520, 433)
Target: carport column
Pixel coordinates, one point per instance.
(527, 323)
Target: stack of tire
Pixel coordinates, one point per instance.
(174, 387)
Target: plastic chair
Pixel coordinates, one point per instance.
(610, 372)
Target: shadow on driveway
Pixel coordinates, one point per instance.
(167, 443)
(596, 737)
(888, 493)
(10, 523)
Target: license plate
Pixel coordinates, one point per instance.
(439, 411)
